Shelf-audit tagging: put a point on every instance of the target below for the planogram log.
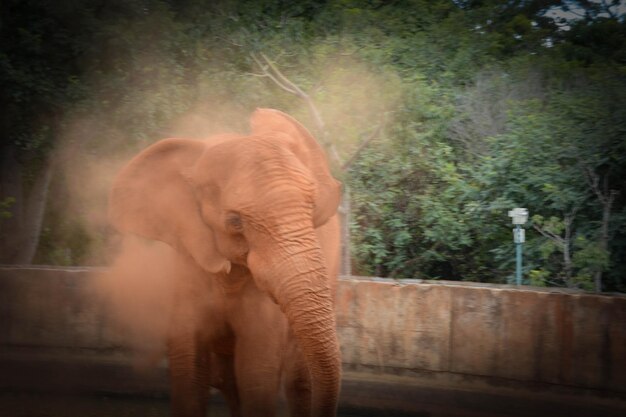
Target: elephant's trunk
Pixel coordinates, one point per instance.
(307, 301)
(303, 292)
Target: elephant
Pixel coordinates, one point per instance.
(253, 222)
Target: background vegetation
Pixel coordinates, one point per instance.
(440, 116)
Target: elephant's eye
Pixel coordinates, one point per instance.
(233, 222)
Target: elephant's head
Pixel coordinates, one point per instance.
(252, 201)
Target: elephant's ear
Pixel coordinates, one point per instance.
(151, 197)
(310, 153)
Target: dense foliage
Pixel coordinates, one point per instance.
(466, 108)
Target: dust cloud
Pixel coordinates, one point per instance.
(138, 293)
(97, 142)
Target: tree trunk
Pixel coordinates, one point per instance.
(344, 214)
(606, 197)
(19, 234)
(567, 243)
(34, 213)
(11, 187)
(607, 205)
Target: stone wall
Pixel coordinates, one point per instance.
(444, 328)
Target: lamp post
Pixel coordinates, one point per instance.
(519, 216)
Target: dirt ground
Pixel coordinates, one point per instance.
(33, 385)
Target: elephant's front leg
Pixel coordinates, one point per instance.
(257, 368)
(297, 382)
(259, 354)
(189, 371)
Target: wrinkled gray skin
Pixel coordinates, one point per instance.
(253, 221)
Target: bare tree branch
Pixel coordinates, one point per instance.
(300, 93)
(362, 146)
(546, 233)
(254, 74)
(230, 41)
(284, 80)
(269, 75)
(272, 72)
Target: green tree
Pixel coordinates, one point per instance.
(447, 114)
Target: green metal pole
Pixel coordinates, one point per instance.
(518, 255)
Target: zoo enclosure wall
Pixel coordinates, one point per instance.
(410, 327)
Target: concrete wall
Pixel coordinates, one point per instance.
(527, 335)
(555, 337)
(53, 308)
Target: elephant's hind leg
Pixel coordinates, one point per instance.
(224, 380)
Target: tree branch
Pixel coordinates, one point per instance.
(272, 72)
(545, 233)
(605, 195)
(300, 93)
(593, 180)
(269, 75)
(607, 9)
(286, 81)
(362, 146)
